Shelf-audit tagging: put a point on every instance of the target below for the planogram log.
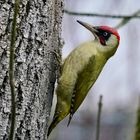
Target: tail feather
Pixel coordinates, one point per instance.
(56, 120)
(53, 125)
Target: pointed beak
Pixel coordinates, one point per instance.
(89, 27)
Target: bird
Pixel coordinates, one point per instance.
(81, 69)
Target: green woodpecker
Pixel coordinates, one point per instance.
(81, 69)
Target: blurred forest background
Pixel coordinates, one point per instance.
(119, 82)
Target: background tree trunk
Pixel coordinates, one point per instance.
(37, 54)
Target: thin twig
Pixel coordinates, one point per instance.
(137, 133)
(100, 15)
(99, 118)
(11, 70)
(126, 20)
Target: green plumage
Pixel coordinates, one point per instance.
(79, 72)
(81, 69)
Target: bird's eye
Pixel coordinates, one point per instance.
(105, 34)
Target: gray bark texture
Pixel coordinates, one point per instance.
(37, 62)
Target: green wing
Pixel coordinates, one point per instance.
(86, 79)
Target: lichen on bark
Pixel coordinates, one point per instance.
(38, 45)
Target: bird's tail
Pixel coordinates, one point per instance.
(58, 116)
(53, 125)
(55, 121)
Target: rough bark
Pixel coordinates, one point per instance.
(37, 54)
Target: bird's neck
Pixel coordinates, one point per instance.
(106, 51)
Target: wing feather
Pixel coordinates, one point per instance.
(86, 78)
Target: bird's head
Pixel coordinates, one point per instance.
(106, 37)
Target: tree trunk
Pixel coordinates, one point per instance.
(37, 57)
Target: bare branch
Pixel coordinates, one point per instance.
(126, 20)
(99, 118)
(137, 127)
(100, 15)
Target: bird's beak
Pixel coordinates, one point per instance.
(89, 27)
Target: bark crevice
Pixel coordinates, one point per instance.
(38, 45)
